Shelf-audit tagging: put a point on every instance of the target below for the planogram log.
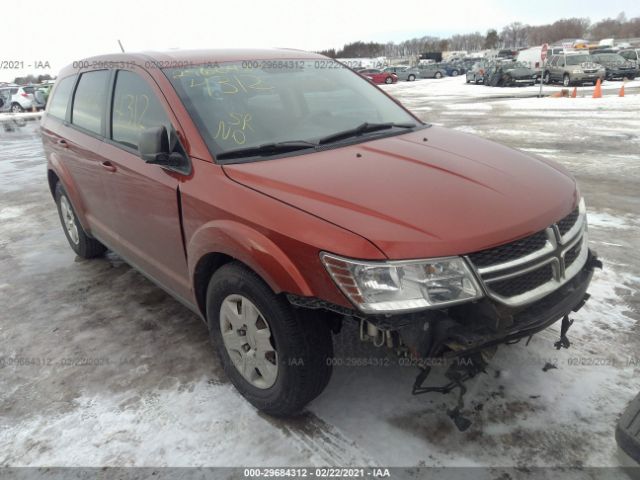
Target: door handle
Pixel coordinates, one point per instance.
(108, 166)
(63, 143)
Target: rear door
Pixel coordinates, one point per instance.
(147, 197)
(73, 132)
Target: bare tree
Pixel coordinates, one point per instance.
(514, 35)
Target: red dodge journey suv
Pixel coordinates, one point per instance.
(280, 195)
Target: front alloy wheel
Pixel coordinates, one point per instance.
(277, 356)
(247, 338)
(566, 80)
(17, 108)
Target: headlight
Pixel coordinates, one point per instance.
(400, 286)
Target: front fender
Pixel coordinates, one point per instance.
(252, 248)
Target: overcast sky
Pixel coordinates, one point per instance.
(62, 31)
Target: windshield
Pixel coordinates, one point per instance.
(578, 59)
(240, 105)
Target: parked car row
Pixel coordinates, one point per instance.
(407, 73)
(570, 68)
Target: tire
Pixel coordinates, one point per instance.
(566, 80)
(438, 75)
(411, 78)
(468, 81)
(16, 108)
(546, 78)
(388, 80)
(300, 339)
(82, 244)
(454, 73)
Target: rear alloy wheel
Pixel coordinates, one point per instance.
(79, 241)
(278, 357)
(388, 80)
(17, 108)
(546, 78)
(438, 75)
(411, 78)
(454, 73)
(566, 80)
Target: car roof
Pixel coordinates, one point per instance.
(197, 57)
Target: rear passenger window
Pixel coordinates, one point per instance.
(135, 107)
(60, 99)
(88, 102)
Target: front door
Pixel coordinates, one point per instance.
(148, 220)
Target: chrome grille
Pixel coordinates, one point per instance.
(571, 254)
(526, 270)
(523, 283)
(510, 251)
(569, 221)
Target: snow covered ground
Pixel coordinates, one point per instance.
(98, 367)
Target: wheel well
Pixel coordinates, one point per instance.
(204, 270)
(53, 180)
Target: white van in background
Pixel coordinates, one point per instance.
(531, 57)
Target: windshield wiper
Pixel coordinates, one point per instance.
(267, 149)
(361, 129)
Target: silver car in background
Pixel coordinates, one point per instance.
(432, 70)
(14, 98)
(404, 72)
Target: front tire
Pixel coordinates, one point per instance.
(438, 75)
(566, 80)
(388, 80)
(82, 244)
(278, 357)
(411, 78)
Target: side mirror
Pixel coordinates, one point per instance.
(154, 148)
(154, 144)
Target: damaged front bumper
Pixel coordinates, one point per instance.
(471, 327)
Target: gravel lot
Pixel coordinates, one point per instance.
(99, 367)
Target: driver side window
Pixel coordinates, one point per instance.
(135, 108)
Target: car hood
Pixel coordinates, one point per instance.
(432, 192)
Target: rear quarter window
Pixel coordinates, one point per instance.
(89, 101)
(60, 99)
